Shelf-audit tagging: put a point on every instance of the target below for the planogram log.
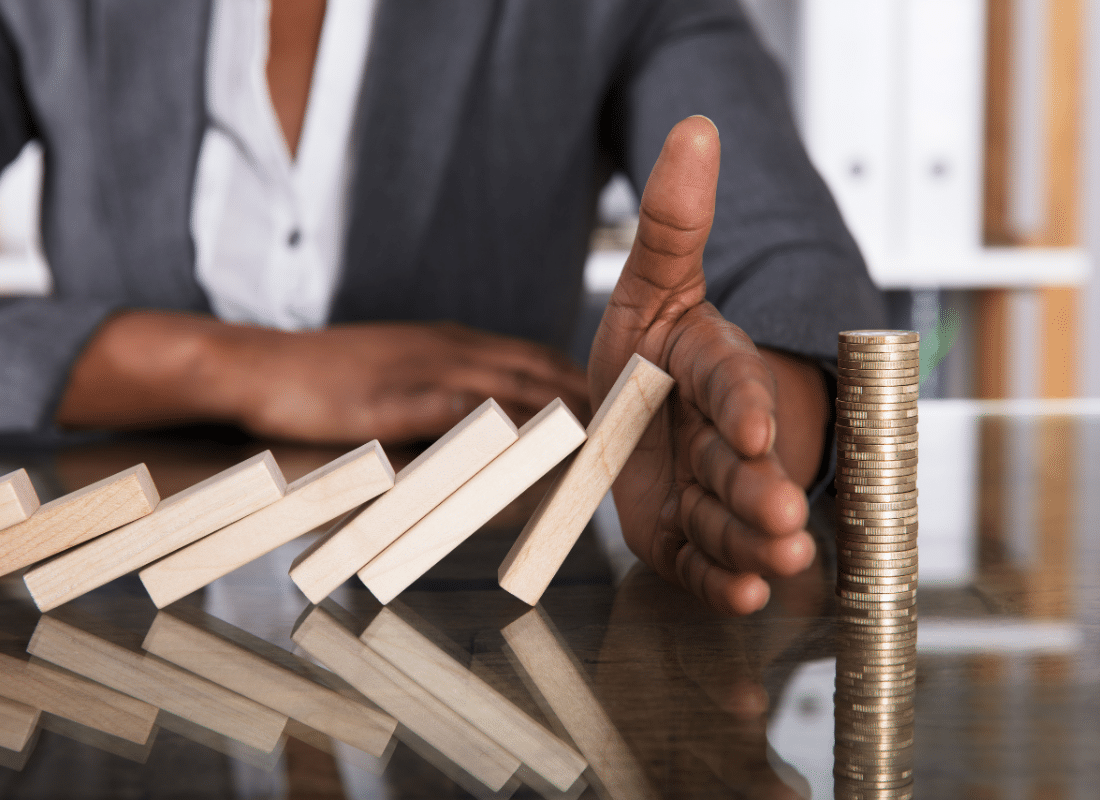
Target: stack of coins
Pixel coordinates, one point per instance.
(876, 483)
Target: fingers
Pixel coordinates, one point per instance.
(731, 544)
(728, 593)
(663, 276)
(756, 491)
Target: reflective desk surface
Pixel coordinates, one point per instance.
(615, 686)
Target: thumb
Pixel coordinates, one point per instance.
(663, 276)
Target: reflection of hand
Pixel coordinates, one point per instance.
(707, 498)
(389, 381)
(685, 685)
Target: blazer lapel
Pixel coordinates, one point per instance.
(151, 120)
(422, 59)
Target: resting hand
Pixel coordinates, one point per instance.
(395, 382)
(707, 498)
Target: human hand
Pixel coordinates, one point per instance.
(396, 382)
(706, 498)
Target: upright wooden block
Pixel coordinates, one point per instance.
(320, 635)
(17, 724)
(560, 518)
(543, 442)
(474, 700)
(253, 676)
(74, 698)
(310, 502)
(426, 482)
(18, 500)
(561, 685)
(181, 519)
(78, 517)
(158, 683)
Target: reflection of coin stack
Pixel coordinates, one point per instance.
(876, 485)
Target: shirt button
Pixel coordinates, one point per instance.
(293, 238)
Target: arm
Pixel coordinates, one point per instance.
(394, 382)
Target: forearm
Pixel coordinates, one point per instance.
(153, 368)
(802, 412)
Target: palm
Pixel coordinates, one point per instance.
(703, 499)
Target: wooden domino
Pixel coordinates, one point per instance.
(78, 517)
(557, 523)
(18, 499)
(158, 683)
(17, 724)
(334, 646)
(179, 520)
(543, 442)
(249, 674)
(548, 663)
(310, 502)
(74, 698)
(474, 700)
(432, 477)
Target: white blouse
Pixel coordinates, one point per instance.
(269, 230)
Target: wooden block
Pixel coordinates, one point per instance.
(78, 517)
(71, 697)
(473, 699)
(560, 518)
(265, 760)
(18, 500)
(543, 442)
(157, 683)
(252, 676)
(179, 520)
(310, 502)
(320, 635)
(15, 761)
(17, 724)
(340, 751)
(560, 683)
(426, 482)
(132, 751)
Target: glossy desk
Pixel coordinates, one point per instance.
(616, 686)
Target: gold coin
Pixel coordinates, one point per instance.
(859, 491)
(857, 424)
(844, 354)
(852, 392)
(874, 437)
(875, 336)
(865, 381)
(880, 502)
(857, 375)
(862, 470)
(884, 481)
(855, 406)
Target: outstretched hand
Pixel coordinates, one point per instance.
(707, 498)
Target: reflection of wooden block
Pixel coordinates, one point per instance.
(543, 442)
(249, 674)
(18, 500)
(157, 683)
(473, 699)
(74, 698)
(419, 487)
(324, 494)
(561, 685)
(177, 521)
(559, 520)
(17, 724)
(78, 517)
(334, 646)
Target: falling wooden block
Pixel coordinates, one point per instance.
(132, 751)
(320, 635)
(418, 488)
(560, 518)
(255, 677)
(17, 724)
(323, 495)
(15, 761)
(543, 442)
(179, 520)
(18, 499)
(157, 683)
(473, 699)
(560, 683)
(78, 517)
(74, 698)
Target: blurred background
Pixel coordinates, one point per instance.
(961, 139)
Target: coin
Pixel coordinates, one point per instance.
(906, 409)
(849, 438)
(857, 491)
(867, 451)
(878, 519)
(880, 502)
(871, 483)
(888, 427)
(876, 336)
(857, 469)
(845, 354)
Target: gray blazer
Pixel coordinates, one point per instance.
(484, 132)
